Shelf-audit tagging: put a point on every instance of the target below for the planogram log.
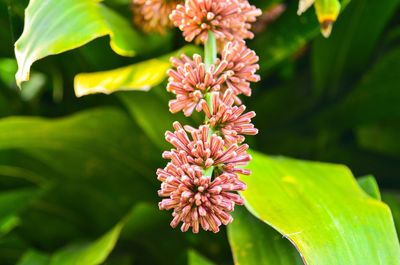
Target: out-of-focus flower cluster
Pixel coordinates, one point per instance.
(153, 15)
(201, 180)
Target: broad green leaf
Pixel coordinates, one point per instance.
(145, 226)
(90, 253)
(254, 242)
(320, 208)
(21, 173)
(286, 36)
(370, 186)
(11, 202)
(196, 258)
(8, 67)
(140, 76)
(74, 133)
(118, 2)
(381, 139)
(393, 200)
(374, 99)
(8, 223)
(349, 48)
(33, 257)
(53, 27)
(92, 158)
(150, 110)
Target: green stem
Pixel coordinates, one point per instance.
(210, 50)
(210, 57)
(208, 100)
(208, 172)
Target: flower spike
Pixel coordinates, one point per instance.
(202, 177)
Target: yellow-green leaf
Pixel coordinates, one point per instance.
(140, 76)
(89, 254)
(92, 252)
(55, 26)
(321, 209)
(11, 202)
(196, 258)
(370, 186)
(33, 257)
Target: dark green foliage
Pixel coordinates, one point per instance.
(78, 171)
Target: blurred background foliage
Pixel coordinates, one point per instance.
(78, 181)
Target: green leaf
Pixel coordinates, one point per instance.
(254, 242)
(196, 258)
(316, 205)
(91, 253)
(381, 139)
(374, 99)
(349, 48)
(393, 200)
(8, 67)
(145, 226)
(150, 110)
(140, 76)
(370, 186)
(53, 27)
(33, 257)
(11, 202)
(287, 35)
(154, 122)
(91, 158)
(8, 223)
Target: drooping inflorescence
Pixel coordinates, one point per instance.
(201, 179)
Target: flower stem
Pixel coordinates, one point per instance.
(208, 172)
(210, 50)
(210, 56)
(208, 100)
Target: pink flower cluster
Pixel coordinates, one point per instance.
(152, 15)
(191, 82)
(229, 20)
(201, 180)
